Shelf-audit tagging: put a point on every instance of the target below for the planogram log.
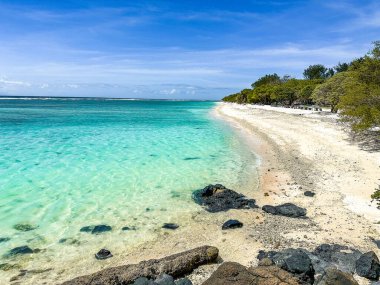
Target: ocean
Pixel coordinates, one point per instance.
(66, 164)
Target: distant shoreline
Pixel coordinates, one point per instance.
(13, 97)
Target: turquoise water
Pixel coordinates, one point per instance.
(65, 164)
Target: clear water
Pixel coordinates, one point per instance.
(65, 164)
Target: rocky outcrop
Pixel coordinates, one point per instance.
(217, 198)
(333, 276)
(175, 265)
(287, 210)
(368, 266)
(310, 266)
(231, 273)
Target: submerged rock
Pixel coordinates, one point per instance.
(232, 224)
(8, 266)
(126, 228)
(103, 254)
(287, 209)
(368, 266)
(176, 265)
(170, 226)
(20, 250)
(143, 281)
(4, 239)
(24, 227)
(217, 198)
(96, 229)
(333, 276)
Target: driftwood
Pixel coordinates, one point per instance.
(176, 265)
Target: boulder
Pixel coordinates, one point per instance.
(334, 255)
(103, 254)
(297, 262)
(232, 224)
(368, 266)
(170, 226)
(217, 198)
(333, 276)
(232, 273)
(287, 209)
(176, 265)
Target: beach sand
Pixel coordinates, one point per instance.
(299, 151)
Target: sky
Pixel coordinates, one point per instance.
(173, 49)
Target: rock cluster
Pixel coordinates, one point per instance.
(217, 198)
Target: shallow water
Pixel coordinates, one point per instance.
(66, 164)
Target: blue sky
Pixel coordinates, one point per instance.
(173, 49)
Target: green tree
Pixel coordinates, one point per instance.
(329, 93)
(360, 105)
(267, 79)
(341, 67)
(317, 71)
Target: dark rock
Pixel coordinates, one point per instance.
(368, 266)
(287, 209)
(232, 224)
(4, 239)
(128, 228)
(333, 276)
(103, 254)
(232, 273)
(176, 265)
(217, 198)
(101, 229)
(96, 229)
(334, 255)
(296, 261)
(170, 226)
(87, 229)
(164, 279)
(309, 194)
(183, 281)
(20, 250)
(24, 227)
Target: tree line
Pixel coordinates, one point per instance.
(352, 89)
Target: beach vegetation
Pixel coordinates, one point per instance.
(350, 89)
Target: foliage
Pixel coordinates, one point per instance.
(329, 93)
(352, 88)
(271, 79)
(360, 104)
(318, 71)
